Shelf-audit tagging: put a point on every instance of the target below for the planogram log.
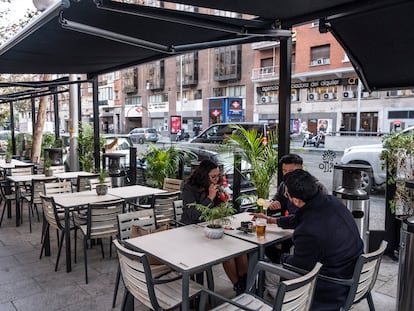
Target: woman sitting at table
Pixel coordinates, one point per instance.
(203, 187)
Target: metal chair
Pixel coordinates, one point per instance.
(7, 197)
(33, 198)
(142, 218)
(156, 293)
(172, 184)
(162, 206)
(363, 278)
(54, 218)
(178, 211)
(83, 182)
(294, 294)
(101, 222)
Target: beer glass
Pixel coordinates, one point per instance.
(261, 227)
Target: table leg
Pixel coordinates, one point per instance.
(253, 259)
(186, 291)
(261, 273)
(67, 241)
(17, 204)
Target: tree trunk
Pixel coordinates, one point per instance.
(39, 126)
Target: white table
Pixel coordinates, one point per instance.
(134, 191)
(13, 164)
(188, 250)
(71, 200)
(71, 175)
(17, 181)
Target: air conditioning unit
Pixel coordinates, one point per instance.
(365, 94)
(348, 94)
(265, 99)
(328, 96)
(274, 99)
(319, 61)
(313, 96)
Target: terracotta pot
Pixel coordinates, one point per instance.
(214, 233)
(101, 189)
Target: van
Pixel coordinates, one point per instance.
(141, 135)
(216, 133)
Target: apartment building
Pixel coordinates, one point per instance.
(326, 93)
(240, 83)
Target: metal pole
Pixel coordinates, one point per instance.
(284, 99)
(181, 90)
(56, 111)
(96, 128)
(358, 114)
(73, 124)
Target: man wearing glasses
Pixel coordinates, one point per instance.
(326, 232)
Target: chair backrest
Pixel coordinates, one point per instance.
(38, 188)
(52, 188)
(102, 218)
(50, 212)
(139, 276)
(172, 184)
(297, 294)
(58, 169)
(365, 275)
(83, 182)
(141, 218)
(95, 181)
(178, 210)
(162, 205)
(22, 170)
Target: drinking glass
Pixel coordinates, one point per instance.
(261, 227)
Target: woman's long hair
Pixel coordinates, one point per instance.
(199, 178)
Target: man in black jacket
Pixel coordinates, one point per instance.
(325, 232)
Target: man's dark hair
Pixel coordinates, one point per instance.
(291, 159)
(301, 185)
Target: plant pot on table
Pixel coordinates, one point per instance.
(101, 189)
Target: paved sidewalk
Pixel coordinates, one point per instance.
(28, 283)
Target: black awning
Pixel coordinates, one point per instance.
(87, 38)
(97, 36)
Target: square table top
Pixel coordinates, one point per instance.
(273, 232)
(187, 249)
(70, 175)
(73, 199)
(27, 178)
(13, 163)
(134, 191)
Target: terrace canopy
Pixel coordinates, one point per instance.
(98, 36)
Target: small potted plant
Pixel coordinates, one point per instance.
(48, 168)
(102, 188)
(8, 157)
(216, 217)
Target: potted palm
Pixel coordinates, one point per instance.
(216, 217)
(102, 188)
(48, 167)
(262, 157)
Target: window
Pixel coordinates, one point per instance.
(227, 63)
(320, 55)
(186, 8)
(189, 70)
(105, 93)
(156, 75)
(133, 100)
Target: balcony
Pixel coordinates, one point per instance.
(267, 73)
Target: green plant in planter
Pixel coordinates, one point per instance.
(48, 163)
(398, 156)
(216, 216)
(163, 163)
(103, 174)
(263, 158)
(8, 157)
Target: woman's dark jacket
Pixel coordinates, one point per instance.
(190, 194)
(326, 232)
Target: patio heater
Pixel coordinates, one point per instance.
(112, 162)
(347, 188)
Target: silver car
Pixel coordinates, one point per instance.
(142, 134)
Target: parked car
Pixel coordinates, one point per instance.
(140, 135)
(216, 133)
(370, 155)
